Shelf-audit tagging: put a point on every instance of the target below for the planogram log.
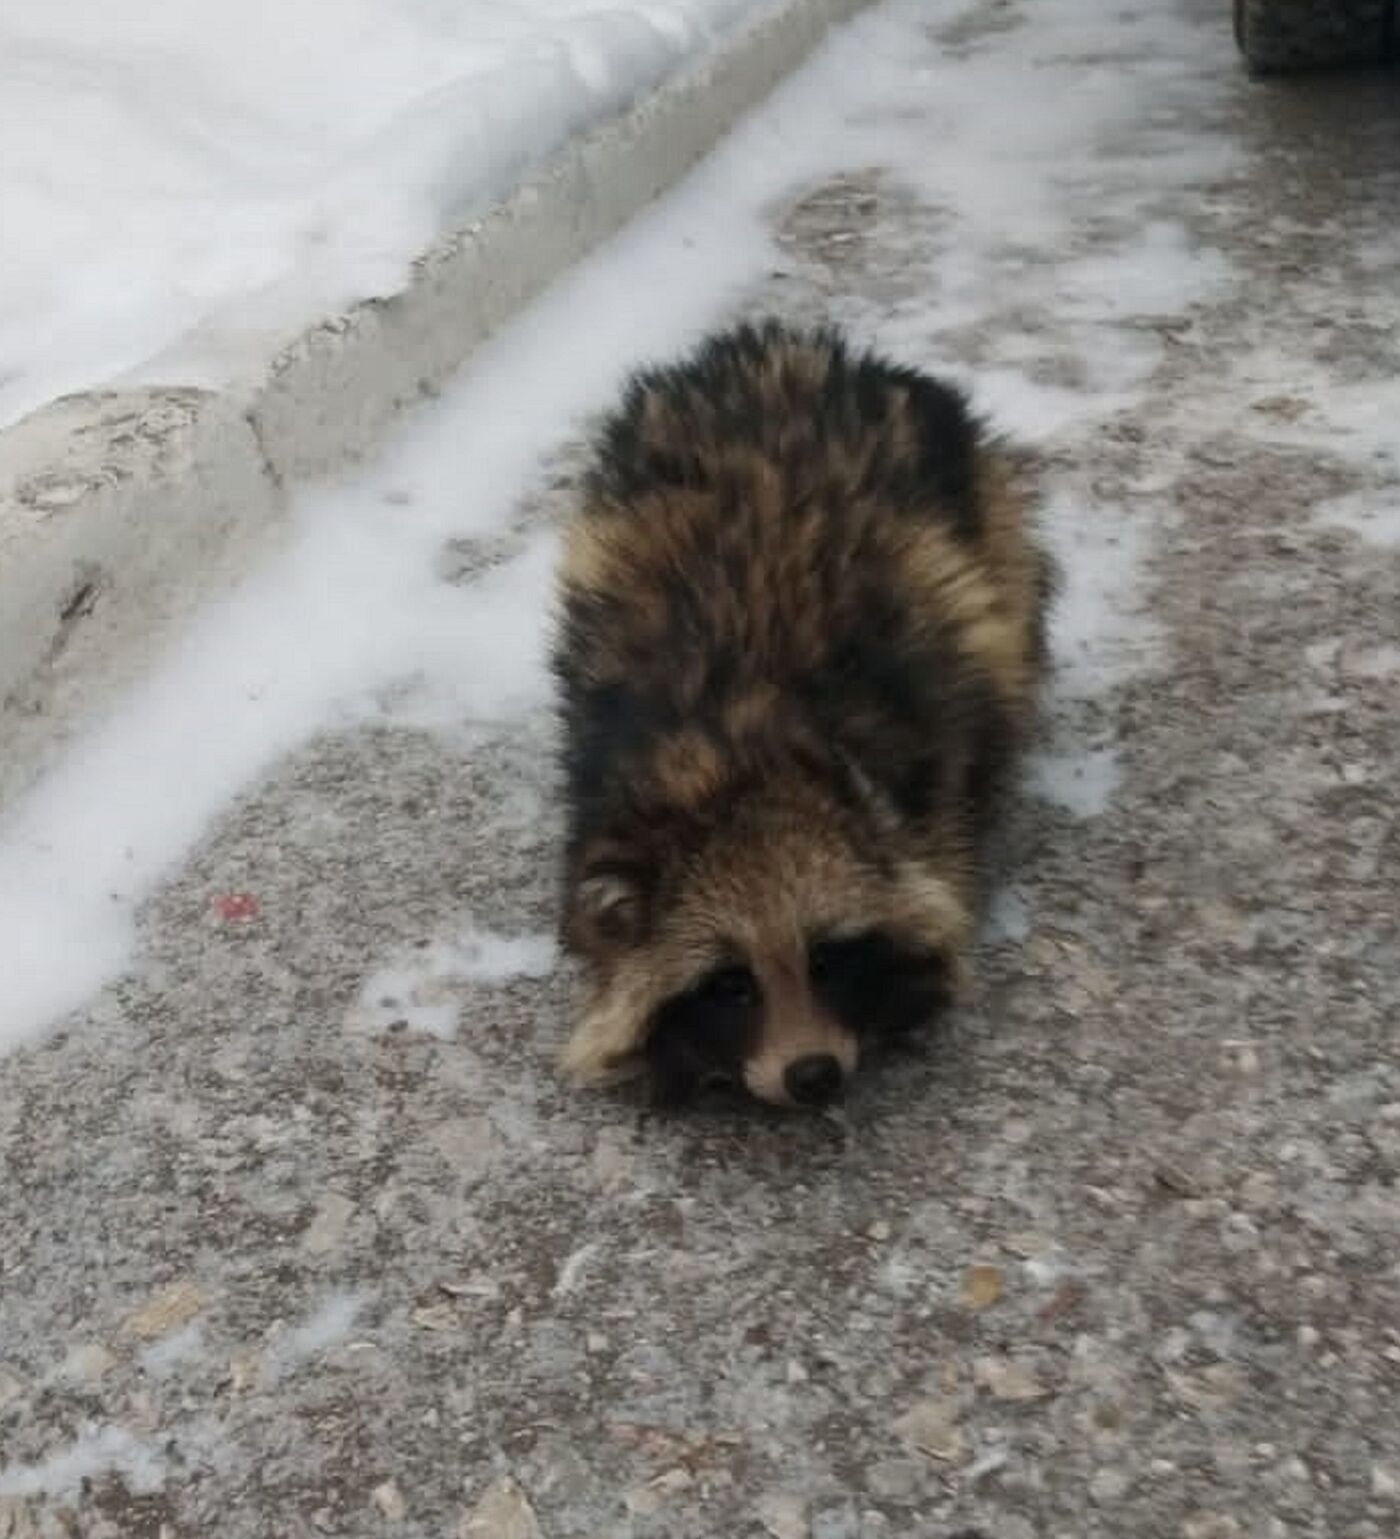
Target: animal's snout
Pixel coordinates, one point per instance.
(815, 1080)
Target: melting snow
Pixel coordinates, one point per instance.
(1082, 783)
(97, 1451)
(422, 990)
(326, 1326)
(1374, 515)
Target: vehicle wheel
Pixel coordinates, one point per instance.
(1277, 35)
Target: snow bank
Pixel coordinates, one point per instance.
(163, 163)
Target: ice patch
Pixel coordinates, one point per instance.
(1081, 783)
(97, 1451)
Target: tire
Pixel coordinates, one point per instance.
(1280, 35)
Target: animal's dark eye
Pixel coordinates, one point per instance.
(821, 962)
(848, 962)
(704, 1033)
(733, 988)
(876, 985)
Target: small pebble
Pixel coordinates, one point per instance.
(1108, 1485)
(931, 1427)
(166, 1311)
(1006, 1379)
(784, 1516)
(645, 1501)
(502, 1513)
(1027, 1243)
(244, 1372)
(88, 1363)
(982, 1286)
(389, 1502)
(1210, 1525)
(892, 1479)
(327, 1227)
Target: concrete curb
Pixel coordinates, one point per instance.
(120, 510)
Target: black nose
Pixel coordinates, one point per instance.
(813, 1081)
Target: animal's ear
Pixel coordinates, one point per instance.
(608, 909)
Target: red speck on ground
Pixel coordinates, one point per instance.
(236, 907)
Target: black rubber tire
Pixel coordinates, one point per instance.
(1280, 35)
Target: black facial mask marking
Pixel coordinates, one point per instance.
(705, 1033)
(876, 987)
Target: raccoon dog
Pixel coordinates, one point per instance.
(801, 633)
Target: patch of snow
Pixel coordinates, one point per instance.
(173, 1351)
(1048, 1268)
(1364, 415)
(1099, 631)
(1347, 420)
(166, 165)
(1034, 410)
(1081, 783)
(328, 1325)
(357, 605)
(986, 1463)
(97, 1451)
(1374, 515)
(404, 997)
(1374, 662)
(422, 990)
(1153, 273)
(483, 957)
(572, 1269)
(1322, 654)
(1008, 918)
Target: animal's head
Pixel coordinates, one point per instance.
(768, 946)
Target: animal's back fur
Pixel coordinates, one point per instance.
(790, 559)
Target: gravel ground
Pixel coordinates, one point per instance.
(1118, 1256)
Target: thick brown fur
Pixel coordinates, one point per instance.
(802, 630)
